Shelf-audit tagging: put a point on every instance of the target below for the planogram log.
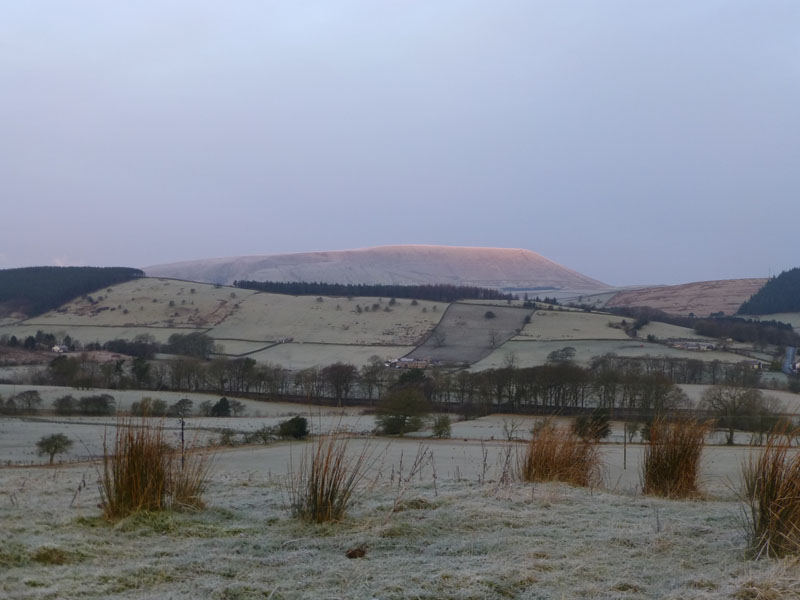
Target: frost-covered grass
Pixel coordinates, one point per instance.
(151, 302)
(569, 325)
(423, 537)
(532, 353)
(332, 321)
(302, 355)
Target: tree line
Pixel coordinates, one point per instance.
(609, 382)
(439, 292)
(35, 290)
(779, 294)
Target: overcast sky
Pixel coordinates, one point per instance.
(636, 142)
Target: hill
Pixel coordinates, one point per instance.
(396, 265)
(34, 290)
(305, 331)
(780, 294)
(701, 298)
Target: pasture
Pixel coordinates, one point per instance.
(357, 321)
(456, 527)
(571, 325)
(665, 331)
(533, 353)
(149, 302)
(298, 356)
(467, 333)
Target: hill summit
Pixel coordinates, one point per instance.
(397, 265)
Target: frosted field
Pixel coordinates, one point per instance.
(459, 533)
(91, 333)
(147, 301)
(18, 436)
(667, 331)
(529, 354)
(555, 325)
(465, 335)
(277, 316)
(124, 398)
(301, 356)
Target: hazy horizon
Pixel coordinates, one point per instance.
(633, 143)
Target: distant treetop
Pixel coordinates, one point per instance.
(779, 295)
(35, 290)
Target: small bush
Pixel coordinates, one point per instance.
(594, 427)
(324, 486)
(141, 472)
(441, 427)
(47, 555)
(671, 459)
(402, 410)
(771, 491)
(227, 437)
(296, 427)
(557, 454)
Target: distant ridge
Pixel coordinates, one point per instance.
(399, 265)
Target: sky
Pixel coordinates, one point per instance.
(635, 142)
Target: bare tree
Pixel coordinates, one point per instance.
(733, 403)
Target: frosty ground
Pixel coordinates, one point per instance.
(456, 529)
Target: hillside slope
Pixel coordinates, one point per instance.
(34, 290)
(701, 298)
(403, 265)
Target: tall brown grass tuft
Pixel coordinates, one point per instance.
(771, 490)
(141, 472)
(323, 487)
(558, 454)
(671, 460)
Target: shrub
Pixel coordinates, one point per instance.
(324, 486)
(441, 427)
(141, 472)
(489, 315)
(264, 434)
(401, 411)
(222, 408)
(227, 437)
(98, 405)
(671, 459)
(771, 491)
(594, 427)
(149, 407)
(65, 405)
(557, 454)
(296, 427)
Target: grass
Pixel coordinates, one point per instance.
(671, 459)
(323, 488)
(143, 473)
(557, 454)
(771, 490)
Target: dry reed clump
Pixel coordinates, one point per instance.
(323, 488)
(671, 460)
(558, 454)
(771, 490)
(141, 472)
